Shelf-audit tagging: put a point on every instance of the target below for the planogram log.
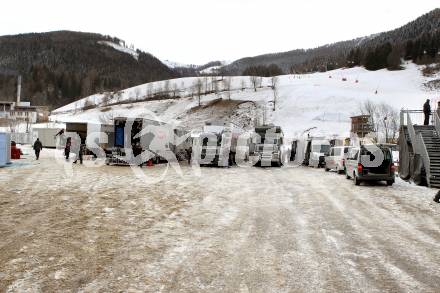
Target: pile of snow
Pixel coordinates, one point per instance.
(321, 100)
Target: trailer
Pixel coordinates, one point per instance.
(132, 137)
(267, 145)
(47, 133)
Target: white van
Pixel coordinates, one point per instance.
(336, 159)
(317, 152)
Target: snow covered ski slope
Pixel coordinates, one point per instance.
(322, 100)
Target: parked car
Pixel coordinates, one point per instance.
(361, 164)
(335, 159)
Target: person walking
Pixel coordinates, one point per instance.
(38, 146)
(427, 111)
(67, 148)
(81, 153)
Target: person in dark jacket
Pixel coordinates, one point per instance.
(427, 111)
(38, 146)
(67, 148)
(82, 152)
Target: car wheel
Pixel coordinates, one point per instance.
(356, 181)
(390, 182)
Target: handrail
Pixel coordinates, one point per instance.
(425, 157)
(407, 112)
(436, 122)
(412, 135)
(419, 146)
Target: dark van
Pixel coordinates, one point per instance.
(370, 163)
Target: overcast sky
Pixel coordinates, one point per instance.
(198, 31)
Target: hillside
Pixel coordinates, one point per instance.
(425, 28)
(61, 67)
(304, 101)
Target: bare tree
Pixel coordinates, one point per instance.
(198, 86)
(205, 83)
(137, 93)
(369, 108)
(117, 96)
(158, 89)
(389, 122)
(243, 84)
(106, 98)
(12, 123)
(166, 87)
(227, 86)
(222, 73)
(214, 86)
(383, 118)
(254, 81)
(150, 90)
(175, 89)
(274, 85)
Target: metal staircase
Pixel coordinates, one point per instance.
(429, 142)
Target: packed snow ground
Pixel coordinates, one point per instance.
(321, 100)
(229, 230)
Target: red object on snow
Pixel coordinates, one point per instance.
(15, 153)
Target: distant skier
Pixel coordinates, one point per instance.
(427, 111)
(38, 146)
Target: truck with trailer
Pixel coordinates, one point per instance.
(217, 144)
(267, 145)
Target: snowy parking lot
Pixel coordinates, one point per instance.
(229, 230)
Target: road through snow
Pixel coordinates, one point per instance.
(230, 230)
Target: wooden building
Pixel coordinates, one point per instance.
(361, 125)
